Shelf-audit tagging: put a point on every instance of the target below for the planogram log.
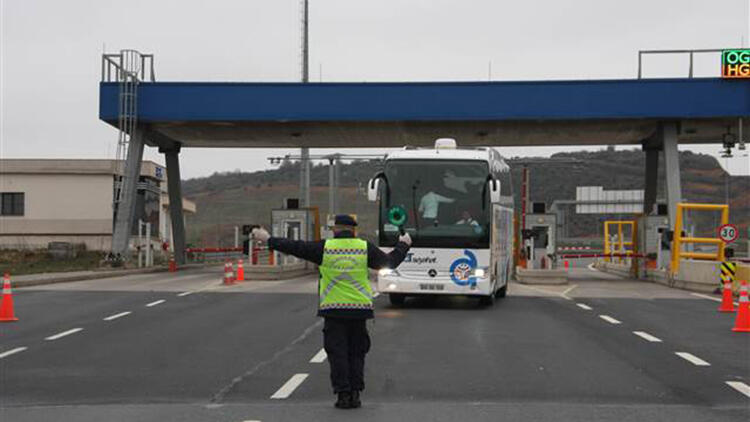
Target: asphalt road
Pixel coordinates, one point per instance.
(191, 349)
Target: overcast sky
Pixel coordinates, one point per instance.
(50, 54)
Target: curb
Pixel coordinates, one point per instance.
(97, 275)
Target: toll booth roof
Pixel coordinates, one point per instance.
(218, 114)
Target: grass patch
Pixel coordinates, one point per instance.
(20, 262)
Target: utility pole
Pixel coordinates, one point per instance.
(304, 187)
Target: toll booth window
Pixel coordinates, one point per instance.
(12, 203)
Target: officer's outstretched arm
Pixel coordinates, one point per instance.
(377, 259)
(309, 251)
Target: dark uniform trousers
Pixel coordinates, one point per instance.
(346, 342)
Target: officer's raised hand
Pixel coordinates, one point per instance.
(260, 234)
(405, 238)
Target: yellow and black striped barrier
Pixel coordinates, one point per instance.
(728, 272)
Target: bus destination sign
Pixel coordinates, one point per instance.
(735, 63)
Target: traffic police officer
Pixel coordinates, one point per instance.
(345, 297)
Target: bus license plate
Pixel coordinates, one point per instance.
(431, 286)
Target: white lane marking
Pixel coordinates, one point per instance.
(185, 293)
(564, 294)
(63, 334)
(12, 352)
(609, 319)
(695, 360)
(740, 386)
(584, 306)
(715, 299)
(646, 336)
(287, 389)
(319, 357)
(115, 316)
(155, 303)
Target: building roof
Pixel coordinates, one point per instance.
(74, 166)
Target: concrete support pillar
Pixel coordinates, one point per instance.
(331, 188)
(652, 180)
(126, 205)
(304, 178)
(336, 183)
(672, 169)
(174, 186)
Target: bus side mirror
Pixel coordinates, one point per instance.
(373, 186)
(494, 188)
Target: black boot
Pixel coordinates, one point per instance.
(356, 402)
(344, 401)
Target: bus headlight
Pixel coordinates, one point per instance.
(392, 286)
(479, 272)
(385, 272)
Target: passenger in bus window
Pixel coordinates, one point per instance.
(466, 219)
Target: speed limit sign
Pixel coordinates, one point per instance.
(728, 233)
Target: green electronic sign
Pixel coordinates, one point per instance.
(735, 63)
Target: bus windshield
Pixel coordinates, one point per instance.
(445, 201)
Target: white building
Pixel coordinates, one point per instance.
(42, 201)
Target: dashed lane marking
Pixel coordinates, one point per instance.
(63, 334)
(715, 299)
(609, 319)
(319, 357)
(646, 336)
(158, 302)
(695, 360)
(740, 386)
(584, 306)
(115, 316)
(12, 352)
(287, 389)
(185, 294)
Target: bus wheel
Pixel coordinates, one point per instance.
(487, 300)
(502, 292)
(397, 299)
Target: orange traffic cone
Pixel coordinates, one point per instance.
(727, 304)
(6, 308)
(240, 270)
(742, 322)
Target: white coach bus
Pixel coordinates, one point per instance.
(457, 206)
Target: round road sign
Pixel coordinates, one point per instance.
(728, 233)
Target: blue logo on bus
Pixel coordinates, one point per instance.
(462, 269)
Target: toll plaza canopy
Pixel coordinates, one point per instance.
(534, 113)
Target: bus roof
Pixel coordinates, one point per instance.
(478, 153)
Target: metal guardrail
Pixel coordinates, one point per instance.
(678, 239)
(204, 255)
(621, 244)
(691, 53)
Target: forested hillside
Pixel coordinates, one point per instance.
(226, 199)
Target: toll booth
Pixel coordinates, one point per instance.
(654, 241)
(539, 241)
(296, 224)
